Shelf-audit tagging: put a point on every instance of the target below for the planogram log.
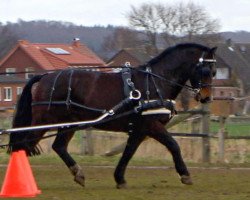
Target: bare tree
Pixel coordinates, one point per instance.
(172, 21)
(167, 15)
(145, 18)
(194, 20)
(121, 38)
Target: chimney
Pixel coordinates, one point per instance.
(76, 42)
(25, 42)
(229, 42)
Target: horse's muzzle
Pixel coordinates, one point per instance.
(206, 100)
(199, 98)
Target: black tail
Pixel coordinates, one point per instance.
(22, 118)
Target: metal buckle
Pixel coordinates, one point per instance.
(129, 82)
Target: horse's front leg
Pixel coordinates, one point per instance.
(159, 133)
(60, 147)
(133, 142)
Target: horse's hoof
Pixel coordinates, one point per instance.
(121, 186)
(80, 180)
(76, 171)
(186, 180)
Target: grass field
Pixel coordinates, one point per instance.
(56, 182)
(232, 129)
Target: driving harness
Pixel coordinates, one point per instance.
(132, 100)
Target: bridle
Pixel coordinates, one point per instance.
(200, 66)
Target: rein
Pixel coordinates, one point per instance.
(149, 72)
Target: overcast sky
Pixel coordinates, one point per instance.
(234, 15)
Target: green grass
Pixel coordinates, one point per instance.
(232, 129)
(53, 159)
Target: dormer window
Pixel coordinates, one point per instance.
(243, 49)
(10, 71)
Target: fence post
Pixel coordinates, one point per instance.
(87, 147)
(205, 129)
(221, 135)
(82, 142)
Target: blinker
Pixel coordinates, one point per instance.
(206, 72)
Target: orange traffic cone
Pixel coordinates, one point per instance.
(19, 180)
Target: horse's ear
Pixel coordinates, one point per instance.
(212, 50)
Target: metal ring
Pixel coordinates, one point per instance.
(196, 90)
(111, 112)
(127, 64)
(135, 94)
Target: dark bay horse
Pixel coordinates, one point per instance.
(48, 99)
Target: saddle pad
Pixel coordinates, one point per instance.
(157, 111)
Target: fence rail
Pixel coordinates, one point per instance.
(203, 133)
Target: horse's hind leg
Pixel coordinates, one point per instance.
(159, 133)
(60, 147)
(133, 143)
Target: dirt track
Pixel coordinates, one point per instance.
(143, 183)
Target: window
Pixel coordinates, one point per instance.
(29, 73)
(10, 71)
(19, 91)
(222, 73)
(7, 94)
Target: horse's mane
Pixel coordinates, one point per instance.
(173, 48)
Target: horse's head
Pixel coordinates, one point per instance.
(203, 73)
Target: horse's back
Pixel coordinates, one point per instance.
(54, 91)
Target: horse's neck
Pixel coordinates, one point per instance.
(178, 81)
(176, 76)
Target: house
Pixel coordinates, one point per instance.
(237, 56)
(27, 59)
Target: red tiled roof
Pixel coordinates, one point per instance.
(78, 55)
